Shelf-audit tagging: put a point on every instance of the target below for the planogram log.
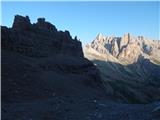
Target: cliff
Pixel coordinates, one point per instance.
(38, 39)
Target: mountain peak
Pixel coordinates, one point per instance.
(126, 48)
(21, 23)
(100, 36)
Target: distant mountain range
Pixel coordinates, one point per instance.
(128, 48)
(129, 65)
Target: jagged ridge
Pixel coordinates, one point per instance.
(38, 39)
(127, 48)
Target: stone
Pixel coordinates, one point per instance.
(44, 25)
(124, 41)
(41, 20)
(115, 49)
(21, 23)
(39, 39)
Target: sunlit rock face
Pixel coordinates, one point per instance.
(129, 66)
(127, 48)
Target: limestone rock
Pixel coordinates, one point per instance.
(127, 48)
(124, 41)
(114, 48)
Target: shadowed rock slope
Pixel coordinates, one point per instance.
(38, 61)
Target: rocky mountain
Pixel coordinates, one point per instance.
(40, 63)
(129, 65)
(128, 48)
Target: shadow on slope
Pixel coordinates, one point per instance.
(39, 61)
(27, 78)
(135, 83)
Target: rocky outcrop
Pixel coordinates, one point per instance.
(43, 25)
(114, 48)
(38, 39)
(21, 23)
(124, 41)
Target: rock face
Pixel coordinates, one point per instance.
(130, 66)
(127, 48)
(21, 23)
(39, 39)
(38, 61)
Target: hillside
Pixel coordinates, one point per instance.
(38, 63)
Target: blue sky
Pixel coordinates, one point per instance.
(87, 19)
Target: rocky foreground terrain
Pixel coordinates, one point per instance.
(130, 66)
(46, 77)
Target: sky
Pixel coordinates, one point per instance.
(86, 19)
